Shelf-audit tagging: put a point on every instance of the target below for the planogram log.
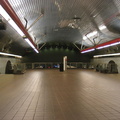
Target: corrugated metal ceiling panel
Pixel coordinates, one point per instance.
(59, 14)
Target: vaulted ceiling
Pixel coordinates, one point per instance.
(82, 22)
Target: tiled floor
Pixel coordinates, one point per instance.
(54, 95)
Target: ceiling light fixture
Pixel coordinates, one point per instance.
(109, 45)
(103, 45)
(28, 41)
(89, 50)
(107, 55)
(10, 21)
(36, 50)
(7, 54)
(9, 14)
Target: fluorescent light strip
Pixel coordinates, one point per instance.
(103, 47)
(88, 50)
(115, 43)
(28, 41)
(14, 25)
(36, 50)
(7, 54)
(10, 21)
(109, 45)
(106, 55)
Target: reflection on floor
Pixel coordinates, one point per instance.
(54, 95)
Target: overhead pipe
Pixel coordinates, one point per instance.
(8, 8)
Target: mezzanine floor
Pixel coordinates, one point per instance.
(54, 95)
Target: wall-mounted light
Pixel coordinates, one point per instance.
(107, 55)
(7, 54)
(10, 21)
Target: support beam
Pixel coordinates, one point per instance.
(35, 21)
(82, 46)
(77, 46)
(41, 38)
(42, 46)
(89, 39)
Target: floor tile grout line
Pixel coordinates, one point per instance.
(13, 106)
(37, 101)
(13, 98)
(31, 101)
